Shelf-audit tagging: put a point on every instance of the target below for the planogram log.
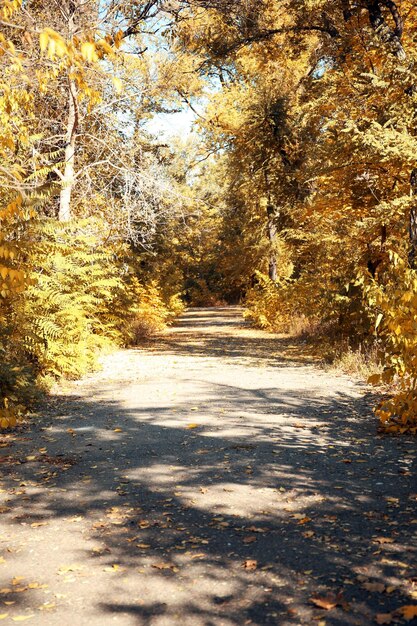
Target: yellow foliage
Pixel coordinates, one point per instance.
(83, 296)
(53, 44)
(396, 324)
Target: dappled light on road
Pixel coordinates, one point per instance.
(188, 485)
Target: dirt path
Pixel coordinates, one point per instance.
(215, 477)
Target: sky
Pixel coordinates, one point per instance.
(166, 125)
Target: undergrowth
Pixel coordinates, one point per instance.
(275, 307)
(84, 295)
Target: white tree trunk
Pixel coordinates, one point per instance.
(64, 214)
(68, 179)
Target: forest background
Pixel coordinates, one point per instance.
(296, 194)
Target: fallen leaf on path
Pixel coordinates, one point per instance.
(118, 430)
(2, 560)
(144, 523)
(326, 603)
(69, 568)
(409, 612)
(98, 525)
(379, 587)
(47, 606)
(304, 520)
(250, 564)
(395, 563)
(383, 618)
(382, 540)
(191, 426)
(330, 601)
(249, 539)
(114, 568)
(22, 618)
(163, 566)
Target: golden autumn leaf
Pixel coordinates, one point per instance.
(327, 602)
(89, 52)
(408, 612)
(43, 40)
(114, 568)
(118, 84)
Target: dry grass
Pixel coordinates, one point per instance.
(144, 327)
(360, 363)
(303, 327)
(337, 353)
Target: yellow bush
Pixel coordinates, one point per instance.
(83, 295)
(150, 313)
(395, 305)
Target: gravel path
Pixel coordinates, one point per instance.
(214, 477)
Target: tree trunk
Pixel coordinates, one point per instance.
(272, 233)
(67, 179)
(412, 222)
(64, 214)
(389, 35)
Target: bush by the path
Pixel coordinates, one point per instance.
(84, 296)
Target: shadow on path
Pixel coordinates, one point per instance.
(236, 520)
(222, 332)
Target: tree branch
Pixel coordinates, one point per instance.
(378, 23)
(264, 35)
